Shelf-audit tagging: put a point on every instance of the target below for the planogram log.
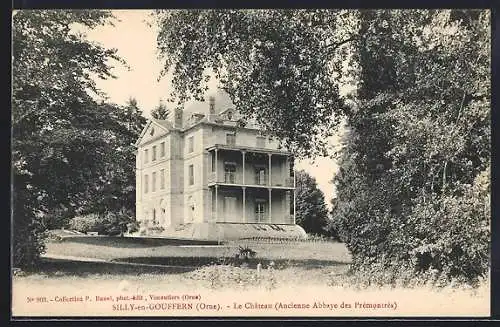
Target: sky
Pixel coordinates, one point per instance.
(136, 43)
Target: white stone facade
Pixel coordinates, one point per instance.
(202, 172)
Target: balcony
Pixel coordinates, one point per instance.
(250, 180)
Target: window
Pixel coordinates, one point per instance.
(229, 172)
(213, 161)
(229, 208)
(191, 207)
(292, 164)
(153, 182)
(191, 175)
(146, 183)
(162, 149)
(191, 144)
(154, 153)
(261, 142)
(260, 176)
(162, 179)
(260, 210)
(146, 156)
(289, 202)
(231, 139)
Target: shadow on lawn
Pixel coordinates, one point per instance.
(252, 263)
(62, 267)
(132, 242)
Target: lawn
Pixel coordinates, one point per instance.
(173, 252)
(79, 258)
(301, 272)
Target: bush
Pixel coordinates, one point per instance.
(111, 223)
(29, 233)
(88, 223)
(440, 239)
(133, 227)
(245, 253)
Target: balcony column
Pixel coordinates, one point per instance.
(269, 177)
(287, 171)
(216, 203)
(216, 166)
(244, 204)
(294, 192)
(243, 182)
(270, 205)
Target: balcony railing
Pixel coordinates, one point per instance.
(229, 177)
(234, 178)
(256, 218)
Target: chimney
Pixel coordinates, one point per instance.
(178, 118)
(211, 102)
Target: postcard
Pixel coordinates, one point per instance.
(251, 163)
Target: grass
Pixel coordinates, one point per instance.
(133, 258)
(171, 252)
(302, 271)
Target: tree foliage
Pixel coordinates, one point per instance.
(276, 65)
(160, 112)
(408, 190)
(419, 131)
(311, 212)
(67, 150)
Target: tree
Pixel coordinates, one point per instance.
(160, 112)
(135, 119)
(311, 212)
(419, 141)
(61, 138)
(276, 65)
(419, 124)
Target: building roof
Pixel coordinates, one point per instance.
(165, 123)
(222, 102)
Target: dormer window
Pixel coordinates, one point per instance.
(231, 139)
(229, 115)
(261, 142)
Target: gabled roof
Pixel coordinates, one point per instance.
(166, 125)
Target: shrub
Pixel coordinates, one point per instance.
(245, 253)
(111, 223)
(87, 223)
(133, 227)
(29, 232)
(441, 238)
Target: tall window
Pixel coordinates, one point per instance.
(231, 139)
(289, 202)
(153, 186)
(146, 183)
(191, 144)
(162, 149)
(154, 153)
(229, 172)
(213, 161)
(260, 210)
(162, 179)
(261, 142)
(191, 175)
(260, 176)
(146, 155)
